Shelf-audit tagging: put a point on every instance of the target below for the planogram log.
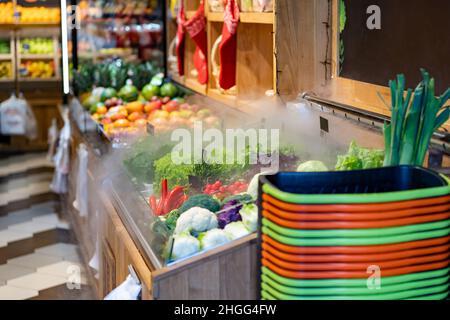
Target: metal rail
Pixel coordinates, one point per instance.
(441, 139)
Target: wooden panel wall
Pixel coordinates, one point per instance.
(304, 45)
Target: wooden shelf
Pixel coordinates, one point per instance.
(6, 56)
(245, 17)
(54, 79)
(27, 56)
(29, 25)
(195, 86)
(216, 94)
(6, 80)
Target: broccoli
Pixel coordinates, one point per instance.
(203, 201)
(171, 219)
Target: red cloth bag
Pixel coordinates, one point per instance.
(181, 19)
(228, 46)
(196, 28)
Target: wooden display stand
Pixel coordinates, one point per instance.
(43, 94)
(225, 273)
(292, 50)
(55, 56)
(228, 272)
(256, 58)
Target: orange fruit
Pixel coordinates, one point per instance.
(135, 116)
(121, 123)
(101, 110)
(118, 116)
(135, 106)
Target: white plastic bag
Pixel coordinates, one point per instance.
(81, 196)
(128, 290)
(62, 160)
(13, 114)
(31, 123)
(82, 117)
(17, 118)
(52, 138)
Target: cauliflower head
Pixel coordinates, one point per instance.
(213, 238)
(197, 220)
(184, 245)
(236, 230)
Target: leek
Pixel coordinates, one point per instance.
(408, 136)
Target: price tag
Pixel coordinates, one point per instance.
(150, 129)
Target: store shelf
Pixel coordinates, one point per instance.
(216, 94)
(29, 25)
(37, 56)
(195, 86)
(7, 80)
(245, 17)
(55, 79)
(7, 56)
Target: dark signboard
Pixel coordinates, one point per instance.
(381, 38)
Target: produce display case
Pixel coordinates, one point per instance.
(133, 230)
(129, 30)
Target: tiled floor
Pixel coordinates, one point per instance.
(47, 270)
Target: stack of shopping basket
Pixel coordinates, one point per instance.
(369, 234)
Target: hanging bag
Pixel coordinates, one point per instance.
(13, 115)
(81, 196)
(180, 38)
(228, 46)
(196, 28)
